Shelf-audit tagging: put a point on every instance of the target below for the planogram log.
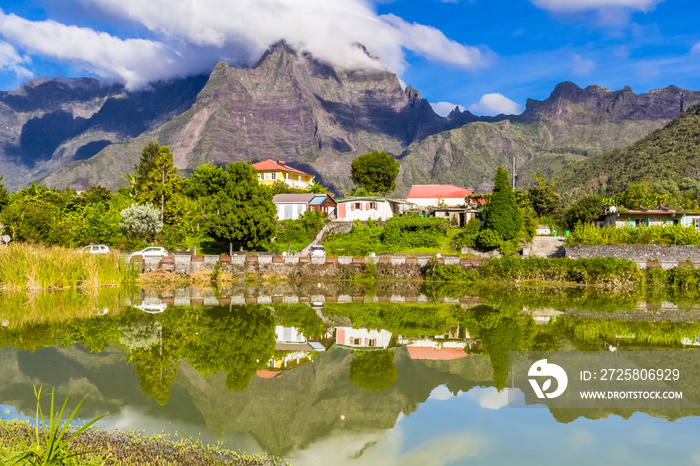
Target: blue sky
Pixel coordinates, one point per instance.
(485, 55)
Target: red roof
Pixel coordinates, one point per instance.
(271, 165)
(443, 354)
(434, 191)
(265, 374)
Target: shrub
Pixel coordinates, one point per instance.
(141, 221)
(467, 238)
(411, 231)
(489, 239)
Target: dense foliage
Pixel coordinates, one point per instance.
(375, 172)
(670, 153)
(501, 213)
(297, 233)
(587, 233)
(373, 371)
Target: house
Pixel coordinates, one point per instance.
(368, 208)
(438, 195)
(290, 206)
(616, 218)
(362, 338)
(270, 171)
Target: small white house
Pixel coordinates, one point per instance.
(367, 208)
(291, 206)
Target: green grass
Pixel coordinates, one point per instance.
(444, 247)
(36, 268)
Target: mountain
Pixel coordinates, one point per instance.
(292, 107)
(288, 107)
(570, 125)
(49, 122)
(670, 153)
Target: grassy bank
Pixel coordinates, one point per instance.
(133, 448)
(35, 268)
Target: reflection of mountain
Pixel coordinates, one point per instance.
(305, 404)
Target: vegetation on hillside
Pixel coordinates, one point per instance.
(671, 153)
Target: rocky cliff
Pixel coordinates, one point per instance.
(292, 107)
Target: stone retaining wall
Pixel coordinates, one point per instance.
(665, 257)
(299, 267)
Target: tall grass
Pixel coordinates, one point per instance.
(35, 268)
(587, 233)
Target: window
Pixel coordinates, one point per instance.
(358, 205)
(273, 176)
(696, 222)
(373, 206)
(261, 177)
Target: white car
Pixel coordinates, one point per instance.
(95, 249)
(152, 308)
(150, 252)
(317, 250)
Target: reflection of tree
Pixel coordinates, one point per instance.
(238, 340)
(302, 317)
(140, 335)
(500, 333)
(373, 371)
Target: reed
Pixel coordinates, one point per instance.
(36, 268)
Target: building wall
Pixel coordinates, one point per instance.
(290, 211)
(292, 179)
(433, 202)
(362, 337)
(351, 213)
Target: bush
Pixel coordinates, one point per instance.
(467, 238)
(489, 239)
(587, 233)
(141, 221)
(411, 231)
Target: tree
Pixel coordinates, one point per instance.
(161, 184)
(586, 209)
(246, 215)
(373, 371)
(29, 220)
(141, 221)
(4, 197)
(146, 163)
(375, 171)
(543, 198)
(501, 212)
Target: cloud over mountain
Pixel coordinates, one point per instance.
(189, 37)
(495, 104)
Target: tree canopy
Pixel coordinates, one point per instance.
(246, 215)
(373, 371)
(375, 172)
(501, 212)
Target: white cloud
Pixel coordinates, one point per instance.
(190, 36)
(582, 5)
(582, 66)
(495, 104)
(133, 61)
(11, 60)
(490, 398)
(696, 48)
(444, 108)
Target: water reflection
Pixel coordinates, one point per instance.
(284, 377)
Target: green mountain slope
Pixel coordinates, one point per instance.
(670, 153)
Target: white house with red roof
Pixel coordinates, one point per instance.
(270, 171)
(437, 195)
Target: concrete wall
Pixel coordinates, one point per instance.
(302, 267)
(667, 256)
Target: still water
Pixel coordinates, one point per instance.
(340, 377)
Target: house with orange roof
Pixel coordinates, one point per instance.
(270, 171)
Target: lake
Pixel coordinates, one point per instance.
(330, 374)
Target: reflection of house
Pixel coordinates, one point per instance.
(362, 338)
(543, 316)
(368, 208)
(290, 206)
(691, 341)
(270, 171)
(291, 339)
(444, 353)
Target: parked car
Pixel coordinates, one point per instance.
(317, 250)
(150, 252)
(95, 249)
